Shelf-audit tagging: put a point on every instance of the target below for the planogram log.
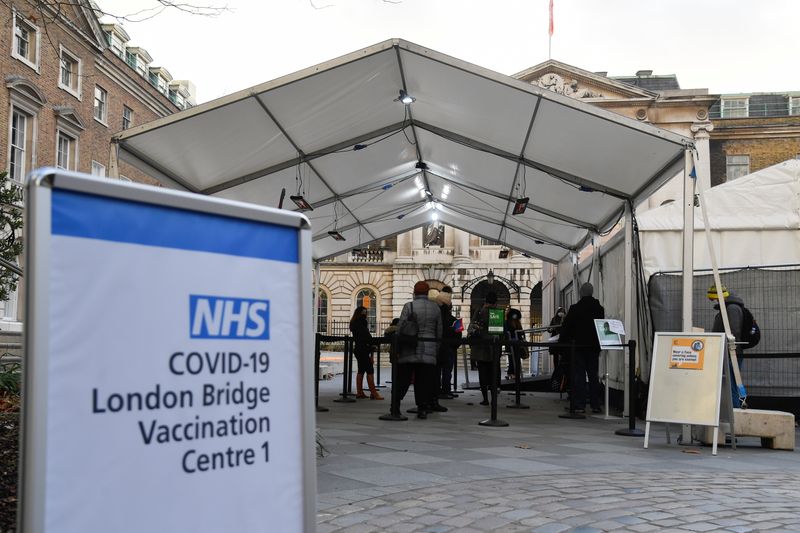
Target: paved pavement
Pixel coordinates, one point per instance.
(541, 473)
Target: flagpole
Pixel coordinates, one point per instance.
(550, 33)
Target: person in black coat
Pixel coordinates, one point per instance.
(578, 328)
(450, 342)
(364, 345)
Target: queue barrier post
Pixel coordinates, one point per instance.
(347, 375)
(394, 414)
(517, 377)
(317, 353)
(494, 421)
(633, 396)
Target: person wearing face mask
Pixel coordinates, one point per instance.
(554, 329)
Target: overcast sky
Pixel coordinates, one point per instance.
(727, 46)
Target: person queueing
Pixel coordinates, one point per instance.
(419, 360)
(513, 331)
(735, 309)
(578, 327)
(359, 327)
(482, 354)
(450, 342)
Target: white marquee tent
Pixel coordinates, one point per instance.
(755, 221)
(471, 143)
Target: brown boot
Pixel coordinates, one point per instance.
(373, 392)
(360, 386)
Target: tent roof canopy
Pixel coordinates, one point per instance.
(471, 143)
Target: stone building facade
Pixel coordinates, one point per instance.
(70, 84)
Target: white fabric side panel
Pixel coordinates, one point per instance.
(662, 249)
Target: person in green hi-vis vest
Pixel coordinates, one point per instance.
(483, 321)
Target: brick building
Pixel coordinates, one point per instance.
(753, 131)
(70, 84)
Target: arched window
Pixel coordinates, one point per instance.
(322, 312)
(367, 298)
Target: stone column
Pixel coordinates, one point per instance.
(461, 247)
(701, 131)
(404, 247)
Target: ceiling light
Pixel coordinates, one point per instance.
(520, 206)
(503, 253)
(422, 193)
(301, 203)
(434, 216)
(336, 235)
(406, 98)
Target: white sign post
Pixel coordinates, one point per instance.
(169, 365)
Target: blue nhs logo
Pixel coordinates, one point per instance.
(218, 317)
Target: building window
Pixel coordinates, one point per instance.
(26, 42)
(794, 105)
(366, 297)
(70, 79)
(322, 312)
(100, 104)
(488, 242)
(737, 166)
(127, 117)
(734, 107)
(65, 151)
(98, 169)
(20, 145)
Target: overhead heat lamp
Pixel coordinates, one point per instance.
(336, 235)
(301, 203)
(520, 206)
(503, 253)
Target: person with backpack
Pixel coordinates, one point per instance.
(416, 357)
(742, 325)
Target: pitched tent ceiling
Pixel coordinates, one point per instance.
(337, 135)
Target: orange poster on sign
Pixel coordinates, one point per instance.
(687, 354)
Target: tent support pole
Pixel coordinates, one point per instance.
(689, 184)
(596, 266)
(628, 299)
(315, 311)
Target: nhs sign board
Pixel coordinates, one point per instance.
(219, 317)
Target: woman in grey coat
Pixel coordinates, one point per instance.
(419, 361)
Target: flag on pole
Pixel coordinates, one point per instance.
(550, 28)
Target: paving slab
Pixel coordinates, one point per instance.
(541, 473)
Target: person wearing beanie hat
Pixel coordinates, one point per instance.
(418, 358)
(421, 287)
(578, 328)
(450, 342)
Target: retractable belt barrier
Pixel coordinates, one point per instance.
(497, 344)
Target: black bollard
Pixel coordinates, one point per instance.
(517, 380)
(317, 352)
(632, 430)
(378, 367)
(347, 376)
(493, 421)
(394, 414)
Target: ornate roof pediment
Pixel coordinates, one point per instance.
(578, 83)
